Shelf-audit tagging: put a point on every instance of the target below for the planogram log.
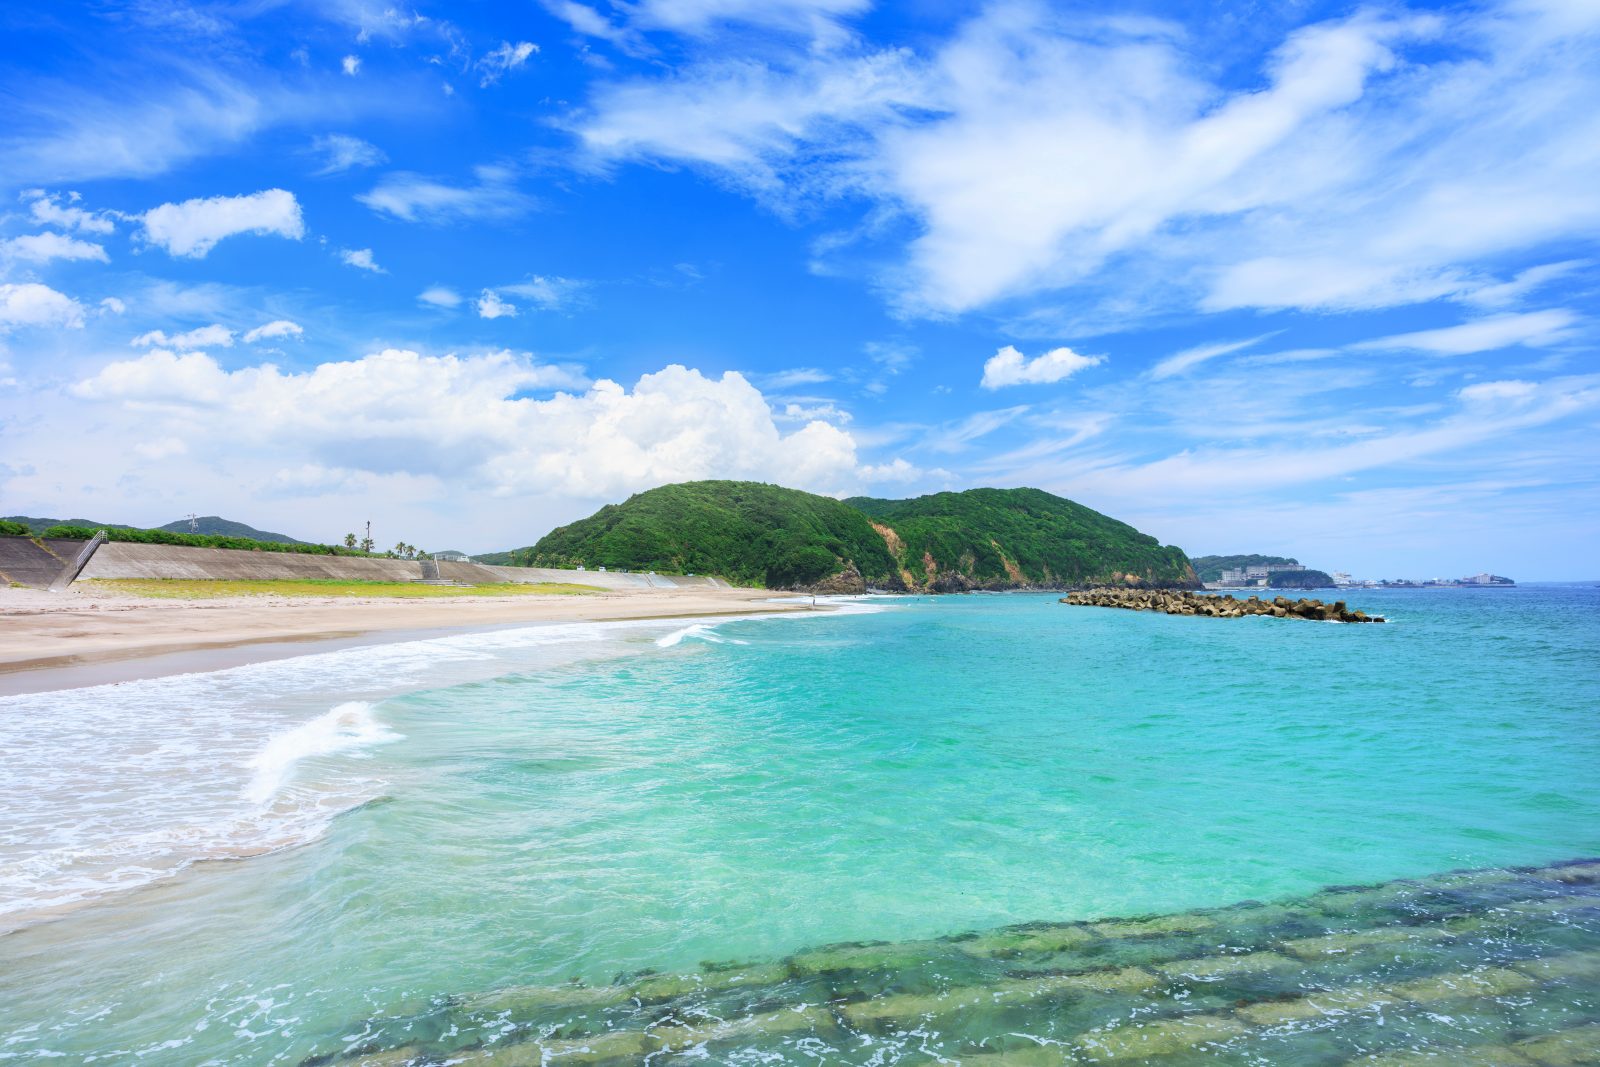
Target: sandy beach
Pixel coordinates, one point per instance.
(92, 637)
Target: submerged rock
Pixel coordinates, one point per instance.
(1349, 974)
(1177, 602)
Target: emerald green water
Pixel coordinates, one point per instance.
(604, 805)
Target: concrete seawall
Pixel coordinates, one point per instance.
(123, 559)
(24, 561)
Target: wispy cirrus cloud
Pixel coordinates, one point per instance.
(277, 329)
(341, 152)
(497, 62)
(548, 292)
(817, 19)
(416, 198)
(1129, 175)
(1534, 328)
(1180, 362)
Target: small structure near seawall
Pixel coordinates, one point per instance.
(1173, 602)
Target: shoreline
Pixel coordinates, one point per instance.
(72, 640)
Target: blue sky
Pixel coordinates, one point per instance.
(1300, 278)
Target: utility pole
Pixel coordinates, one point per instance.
(194, 526)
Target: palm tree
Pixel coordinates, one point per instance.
(350, 540)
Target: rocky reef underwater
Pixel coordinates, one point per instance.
(1483, 967)
(1172, 602)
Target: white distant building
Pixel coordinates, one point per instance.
(1255, 573)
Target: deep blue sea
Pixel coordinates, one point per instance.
(332, 856)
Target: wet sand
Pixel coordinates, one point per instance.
(87, 637)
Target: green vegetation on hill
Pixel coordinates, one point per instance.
(13, 529)
(746, 532)
(1010, 538)
(760, 534)
(168, 537)
(1210, 568)
(209, 524)
(218, 526)
(37, 526)
(1306, 579)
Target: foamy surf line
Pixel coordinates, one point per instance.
(112, 788)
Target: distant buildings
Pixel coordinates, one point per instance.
(1257, 575)
(1254, 574)
(1484, 579)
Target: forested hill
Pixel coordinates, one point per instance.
(217, 526)
(209, 525)
(760, 534)
(746, 532)
(1210, 568)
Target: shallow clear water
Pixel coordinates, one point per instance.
(526, 808)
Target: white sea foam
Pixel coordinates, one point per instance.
(109, 788)
(348, 727)
(700, 631)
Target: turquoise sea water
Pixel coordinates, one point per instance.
(494, 811)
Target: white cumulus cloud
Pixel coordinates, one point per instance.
(43, 247)
(192, 228)
(351, 65)
(213, 336)
(361, 258)
(490, 306)
(32, 304)
(51, 210)
(470, 419)
(1010, 367)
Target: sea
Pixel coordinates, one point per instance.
(987, 829)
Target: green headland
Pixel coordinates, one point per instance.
(753, 533)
